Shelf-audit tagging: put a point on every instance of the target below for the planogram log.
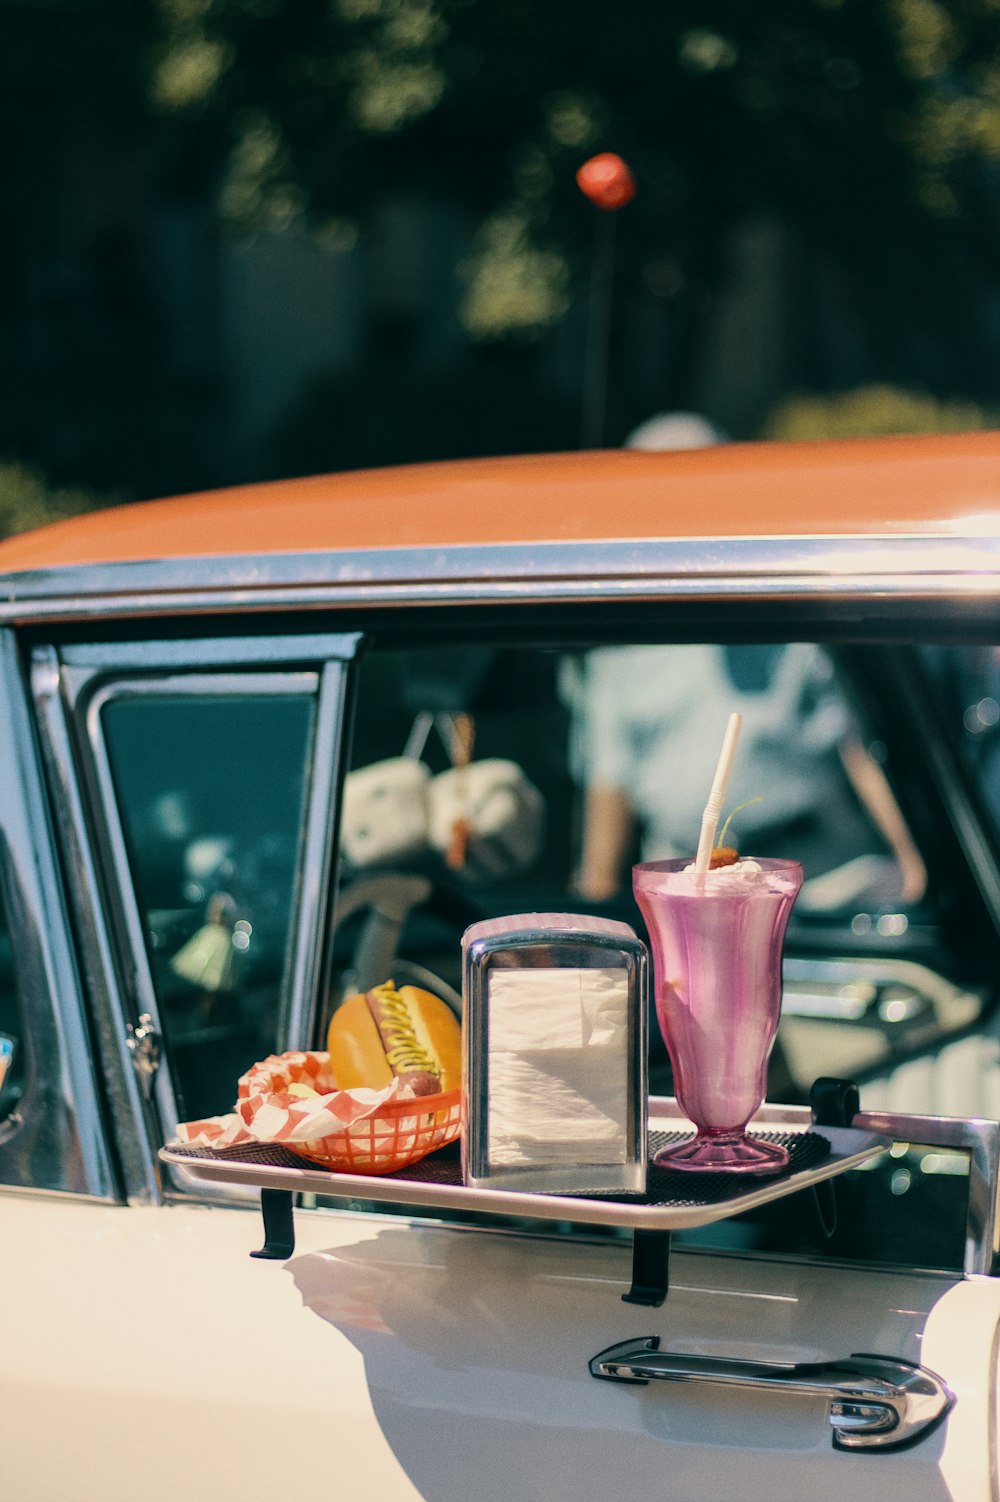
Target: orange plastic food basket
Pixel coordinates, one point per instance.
(335, 1128)
(400, 1133)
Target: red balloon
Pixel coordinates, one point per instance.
(606, 181)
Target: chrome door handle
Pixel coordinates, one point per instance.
(875, 1402)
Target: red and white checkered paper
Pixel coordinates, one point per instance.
(358, 1130)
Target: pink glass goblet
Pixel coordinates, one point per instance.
(717, 941)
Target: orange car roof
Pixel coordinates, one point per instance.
(924, 485)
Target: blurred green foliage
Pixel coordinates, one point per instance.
(26, 501)
(870, 412)
(818, 208)
(872, 125)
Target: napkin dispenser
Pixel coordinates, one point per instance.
(555, 1078)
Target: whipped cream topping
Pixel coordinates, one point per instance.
(742, 873)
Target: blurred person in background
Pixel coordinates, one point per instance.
(647, 724)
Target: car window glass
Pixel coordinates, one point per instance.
(211, 791)
(967, 682)
(492, 781)
(557, 771)
(518, 780)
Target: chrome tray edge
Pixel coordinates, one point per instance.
(849, 1147)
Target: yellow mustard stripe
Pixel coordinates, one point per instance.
(402, 1049)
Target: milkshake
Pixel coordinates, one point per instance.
(717, 938)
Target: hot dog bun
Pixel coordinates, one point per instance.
(411, 1034)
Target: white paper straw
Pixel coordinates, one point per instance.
(720, 782)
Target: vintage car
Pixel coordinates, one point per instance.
(235, 732)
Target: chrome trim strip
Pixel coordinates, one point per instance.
(947, 589)
(62, 1147)
(850, 566)
(316, 859)
(233, 652)
(133, 1127)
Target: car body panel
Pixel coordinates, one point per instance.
(438, 1363)
(881, 487)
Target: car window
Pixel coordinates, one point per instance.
(563, 769)
(210, 790)
(491, 781)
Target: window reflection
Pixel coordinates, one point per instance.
(967, 679)
(568, 767)
(211, 794)
(647, 722)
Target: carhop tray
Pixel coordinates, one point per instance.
(672, 1201)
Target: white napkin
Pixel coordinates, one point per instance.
(557, 1064)
(537, 1009)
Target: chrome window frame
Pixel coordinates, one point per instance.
(71, 685)
(66, 1152)
(847, 568)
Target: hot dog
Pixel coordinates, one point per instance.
(384, 1033)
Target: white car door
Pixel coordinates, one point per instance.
(441, 1362)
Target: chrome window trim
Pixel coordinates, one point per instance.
(216, 652)
(905, 566)
(316, 896)
(45, 967)
(59, 681)
(133, 1127)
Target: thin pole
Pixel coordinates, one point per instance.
(598, 351)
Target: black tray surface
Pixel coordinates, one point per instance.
(663, 1188)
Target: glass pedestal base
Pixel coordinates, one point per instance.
(735, 1153)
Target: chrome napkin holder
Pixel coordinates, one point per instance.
(505, 961)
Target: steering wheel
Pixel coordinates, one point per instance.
(388, 898)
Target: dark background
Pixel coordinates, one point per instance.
(242, 239)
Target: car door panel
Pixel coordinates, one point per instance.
(434, 1362)
(190, 1369)
(501, 1330)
